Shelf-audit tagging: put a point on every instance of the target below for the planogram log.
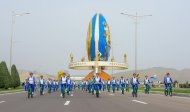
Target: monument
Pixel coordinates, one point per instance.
(98, 49)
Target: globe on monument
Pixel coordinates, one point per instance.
(98, 39)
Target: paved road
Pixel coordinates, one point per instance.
(81, 101)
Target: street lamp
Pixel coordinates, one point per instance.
(135, 17)
(14, 15)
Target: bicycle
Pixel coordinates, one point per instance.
(134, 93)
(41, 89)
(30, 91)
(147, 89)
(168, 90)
(63, 91)
(122, 88)
(127, 88)
(97, 91)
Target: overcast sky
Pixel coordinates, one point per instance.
(44, 39)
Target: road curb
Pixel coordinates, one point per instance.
(14, 91)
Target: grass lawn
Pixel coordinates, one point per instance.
(162, 90)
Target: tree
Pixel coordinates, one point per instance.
(7, 80)
(175, 83)
(15, 76)
(2, 85)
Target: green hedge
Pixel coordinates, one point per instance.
(186, 85)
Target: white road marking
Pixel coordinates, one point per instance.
(12, 93)
(2, 101)
(67, 103)
(139, 101)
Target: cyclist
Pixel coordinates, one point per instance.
(73, 85)
(63, 81)
(168, 81)
(134, 81)
(117, 84)
(90, 82)
(69, 84)
(42, 84)
(122, 83)
(147, 84)
(113, 83)
(56, 85)
(83, 85)
(86, 85)
(26, 85)
(127, 85)
(108, 85)
(31, 82)
(50, 84)
(104, 85)
(97, 83)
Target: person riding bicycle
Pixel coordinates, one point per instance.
(31, 82)
(74, 85)
(83, 85)
(127, 85)
(42, 83)
(168, 81)
(86, 85)
(122, 83)
(63, 81)
(118, 84)
(26, 85)
(134, 81)
(49, 84)
(56, 85)
(97, 82)
(104, 85)
(90, 83)
(147, 83)
(113, 83)
(69, 84)
(108, 85)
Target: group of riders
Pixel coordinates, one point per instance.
(94, 85)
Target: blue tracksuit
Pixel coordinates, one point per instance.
(167, 80)
(134, 84)
(42, 84)
(31, 83)
(63, 82)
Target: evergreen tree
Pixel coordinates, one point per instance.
(15, 76)
(2, 84)
(7, 80)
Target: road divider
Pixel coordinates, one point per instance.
(139, 102)
(67, 103)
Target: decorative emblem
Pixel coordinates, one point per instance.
(71, 57)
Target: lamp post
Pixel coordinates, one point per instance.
(14, 15)
(135, 17)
